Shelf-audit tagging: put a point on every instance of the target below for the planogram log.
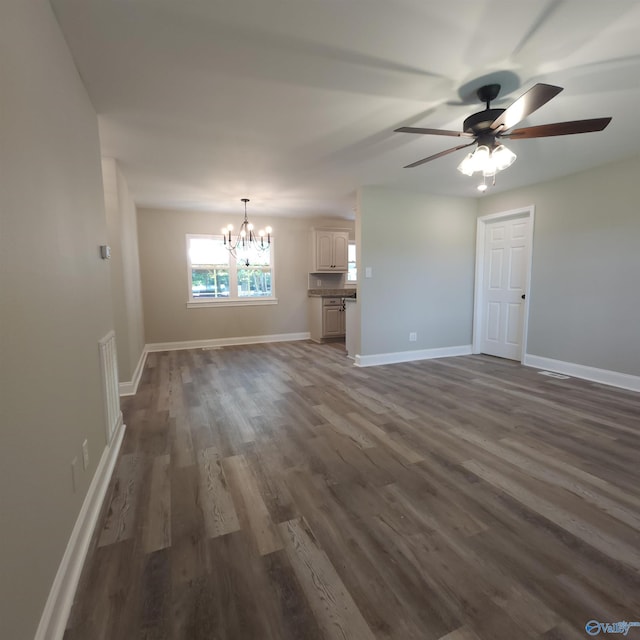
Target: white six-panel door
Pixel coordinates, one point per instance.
(504, 284)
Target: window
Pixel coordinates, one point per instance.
(352, 272)
(216, 277)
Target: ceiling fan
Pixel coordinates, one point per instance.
(489, 127)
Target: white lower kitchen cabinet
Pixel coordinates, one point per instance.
(326, 318)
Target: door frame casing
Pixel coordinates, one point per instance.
(478, 299)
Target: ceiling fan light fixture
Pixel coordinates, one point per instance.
(489, 168)
(503, 157)
(486, 161)
(481, 156)
(467, 166)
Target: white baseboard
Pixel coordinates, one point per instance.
(603, 376)
(410, 356)
(56, 610)
(226, 342)
(130, 388)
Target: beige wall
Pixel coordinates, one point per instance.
(125, 269)
(421, 251)
(55, 305)
(163, 262)
(584, 302)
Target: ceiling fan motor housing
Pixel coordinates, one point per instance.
(480, 122)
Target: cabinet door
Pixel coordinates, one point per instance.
(340, 251)
(324, 251)
(332, 322)
(343, 320)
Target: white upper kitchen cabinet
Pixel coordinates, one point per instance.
(330, 251)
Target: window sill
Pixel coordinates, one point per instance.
(223, 302)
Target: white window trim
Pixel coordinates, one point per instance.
(195, 303)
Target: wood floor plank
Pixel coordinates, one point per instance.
(350, 456)
(155, 622)
(383, 437)
(233, 598)
(189, 550)
(335, 610)
(554, 462)
(216, 502)
(385, 401)
(463, 633)
(321, 458)
(296, 616)
(436, 511)
(122, 514)
(600, 540)
(233, 405)
(106, 586)
(539, 553)
(264, 463)
(181, 442)
(564, 631)
(245, 486)
(344, 426)
(157, 524)
(551, 476)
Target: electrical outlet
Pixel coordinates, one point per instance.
(74, 474)
(318, 283)
(368, 272)
(85, 454)
(413, 336)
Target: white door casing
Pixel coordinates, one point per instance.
(503, 267)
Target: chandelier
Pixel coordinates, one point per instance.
(488, 160)
(247, 241)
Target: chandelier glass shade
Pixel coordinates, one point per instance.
(487, 161)
(248, 240)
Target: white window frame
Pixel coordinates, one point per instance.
(233, 300)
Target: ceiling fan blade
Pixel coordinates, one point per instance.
(525, 105)
(438, 155)
(559, 129)
(435, 132)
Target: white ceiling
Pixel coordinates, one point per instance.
(293, 103)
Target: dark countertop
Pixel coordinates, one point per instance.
(332, 293)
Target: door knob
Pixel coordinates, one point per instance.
(523, 296)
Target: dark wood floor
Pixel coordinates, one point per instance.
(276, 492)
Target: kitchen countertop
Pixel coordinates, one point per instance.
(331, 293)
